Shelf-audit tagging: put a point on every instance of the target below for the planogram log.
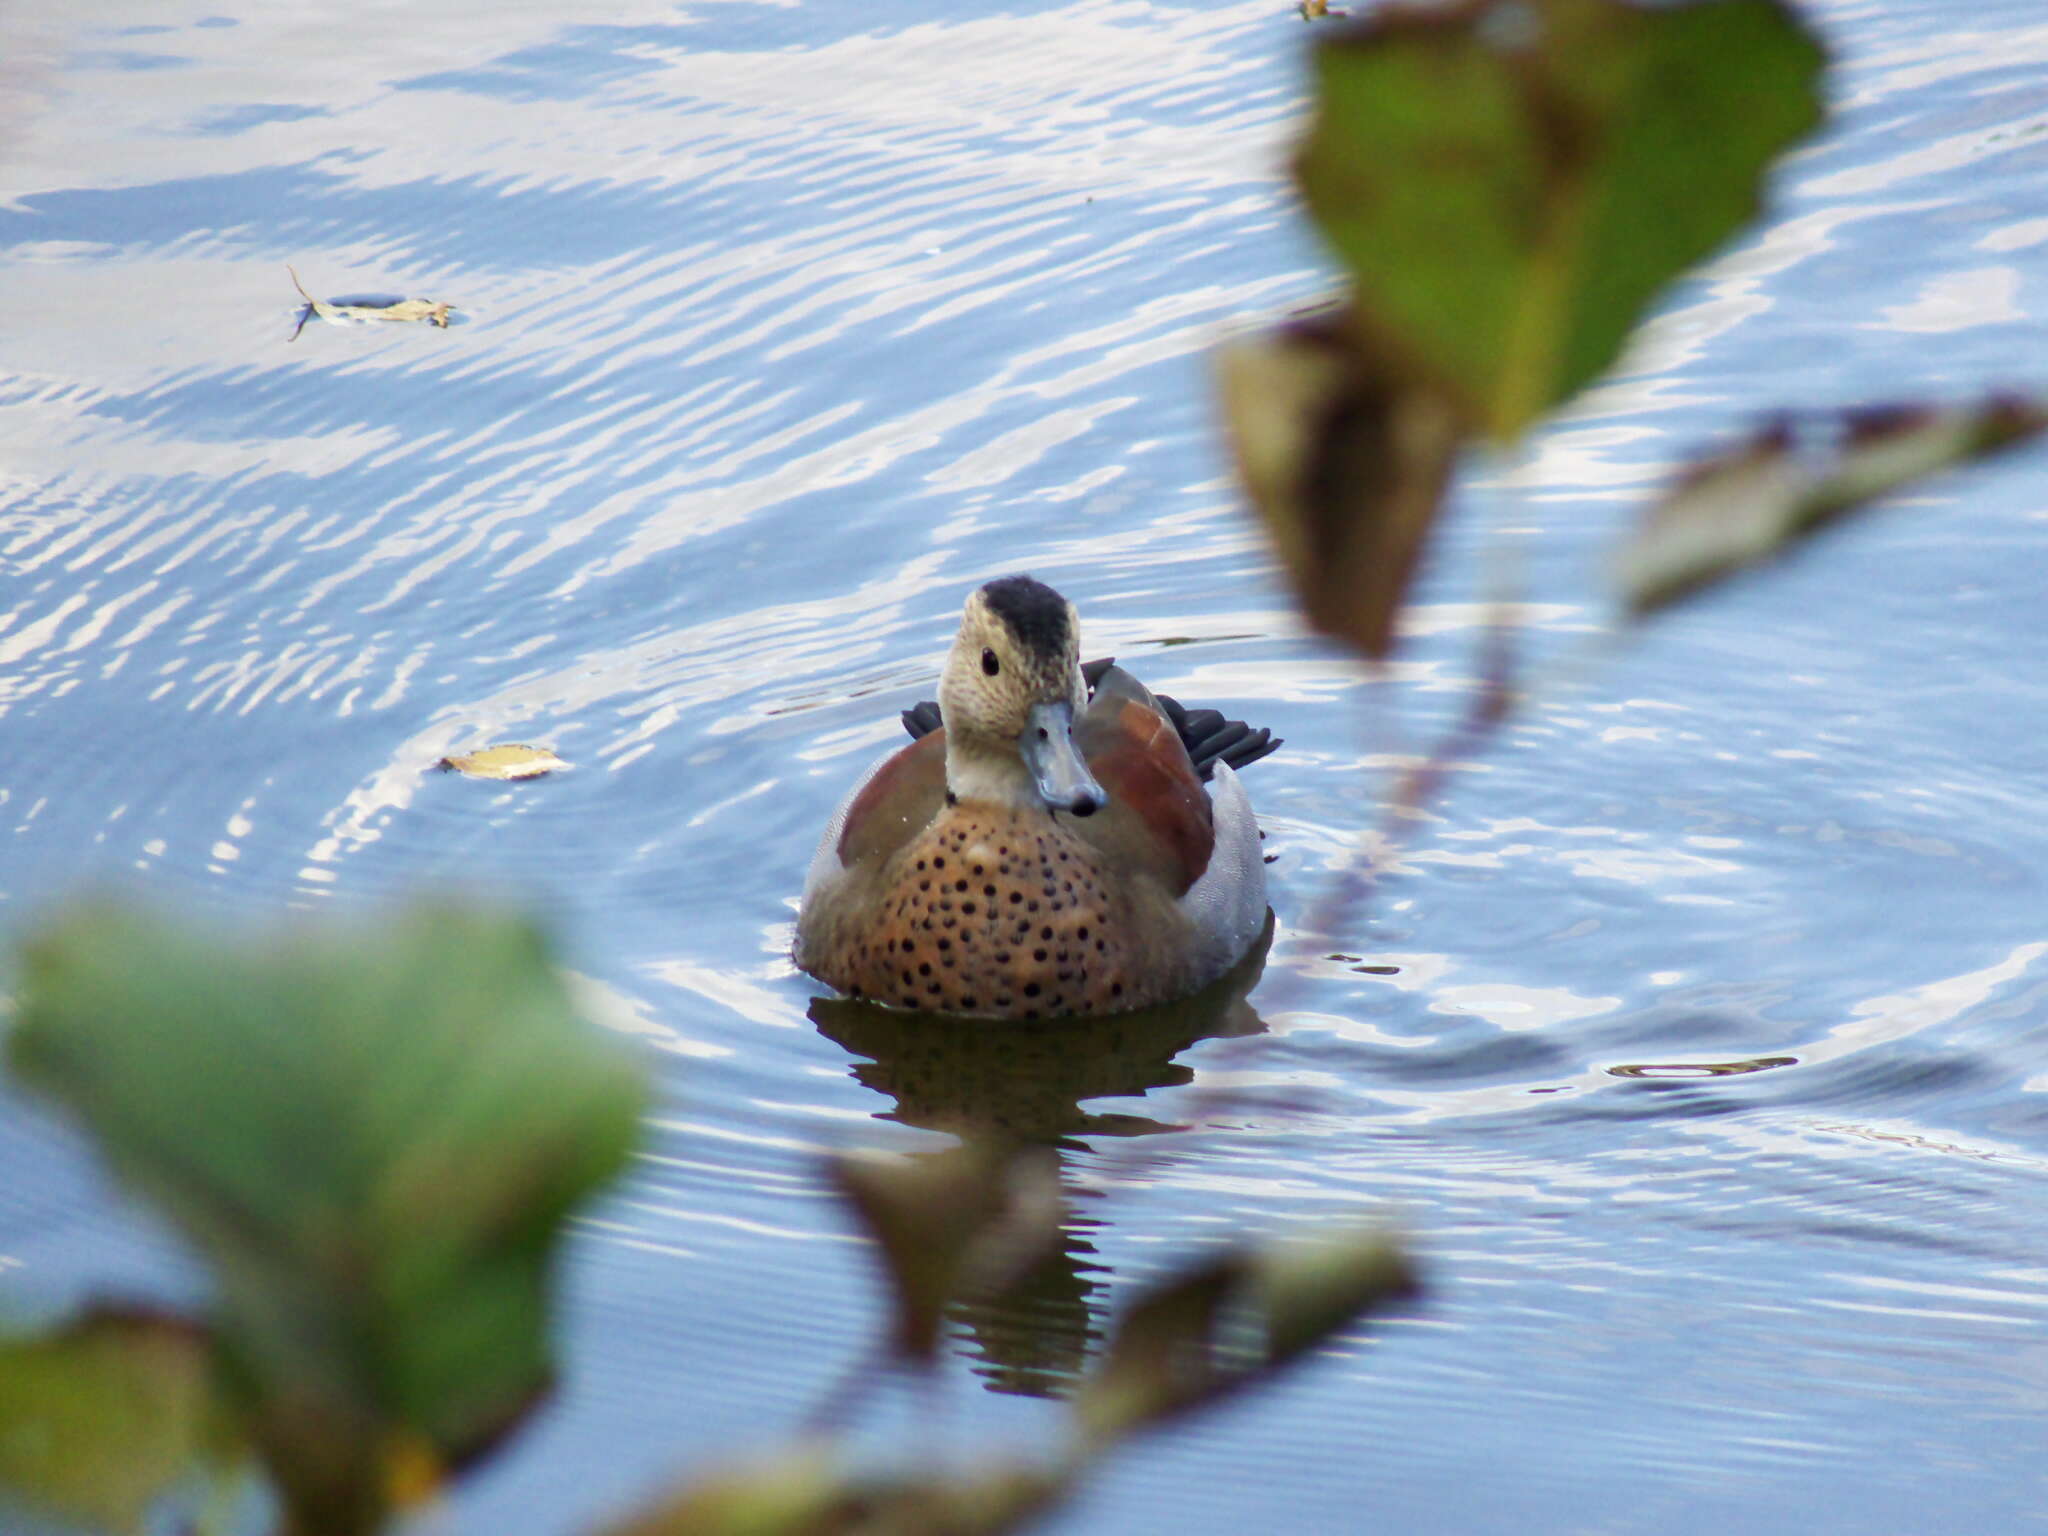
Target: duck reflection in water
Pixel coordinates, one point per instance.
(1012, 1085)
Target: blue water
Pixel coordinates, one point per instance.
(781, 327)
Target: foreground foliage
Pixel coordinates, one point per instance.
(373, 1137)
(1507, 186)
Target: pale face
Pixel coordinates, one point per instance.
(1011, 689)
(993, 676)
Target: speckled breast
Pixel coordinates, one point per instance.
(1003, 913)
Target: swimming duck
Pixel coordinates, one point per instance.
(1045, 846)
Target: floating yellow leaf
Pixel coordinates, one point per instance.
(1234, 1319)
(432, 311)
(506, 761)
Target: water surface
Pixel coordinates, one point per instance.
(781, 327)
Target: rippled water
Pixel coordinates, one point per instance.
(780, 327)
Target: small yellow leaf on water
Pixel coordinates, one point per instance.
(506, 761)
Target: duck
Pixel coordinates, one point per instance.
(1055, 841)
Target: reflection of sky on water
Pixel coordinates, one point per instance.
(788, 323)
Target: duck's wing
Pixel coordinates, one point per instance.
(1158, 820)
(1201, 841)
(1208, 737)
(885, 810)
(1211, 739)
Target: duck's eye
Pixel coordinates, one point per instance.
(989, 664)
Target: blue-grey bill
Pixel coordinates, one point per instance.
(1055, 763)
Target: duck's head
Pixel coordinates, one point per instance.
(1011, 689)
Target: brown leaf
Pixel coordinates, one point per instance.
(949, 1223)
(1793, 477)
(1308, 1290)
(802, 1494)
(101, 1417)
(1162, 1359)
(1346, 466)
(1234, 1320)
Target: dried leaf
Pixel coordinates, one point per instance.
(1309, 1289)
(1235, 1320)
(1510, 182)
(1795, 476)
(1346, 465)
(1162, 1359)
(986, 1503)
(102, 1417)
(508, 761)
(802, 1494)
(799, 1493)
(950, 1223)
(432, 311)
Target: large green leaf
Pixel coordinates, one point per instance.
(372, 1135)
(1510, 182)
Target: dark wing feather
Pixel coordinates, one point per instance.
(1209, 738)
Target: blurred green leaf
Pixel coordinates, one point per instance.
(372, 1136)
(982, 1503)
(795, 1494)
(1510, 182)
(1162, 1358)
(103, 1416)
(802, 1494)
(1308, 1289)
(1794, 477)
(1345, 464)
(950, 1223)
(1234, 1320)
